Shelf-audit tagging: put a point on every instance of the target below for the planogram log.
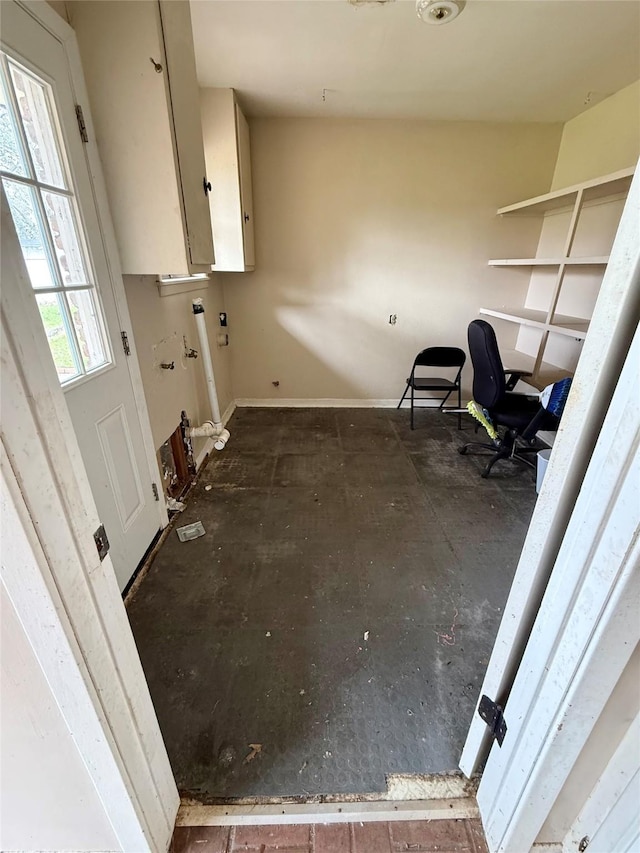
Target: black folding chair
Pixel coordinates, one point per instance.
(436, 357)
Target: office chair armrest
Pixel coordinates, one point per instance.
(514, 377)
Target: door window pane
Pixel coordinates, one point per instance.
(56, 326)
(46, 216)
(26, 218)
(87, 326)
(11, 154)
(33, 103)
(65, 238)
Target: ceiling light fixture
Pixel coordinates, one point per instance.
(439, 11)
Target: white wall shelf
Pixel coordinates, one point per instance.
(574, 327)
(595, 261)
(545, 375)
(608, 185)
(577, 229)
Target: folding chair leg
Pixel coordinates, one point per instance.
(459, 406)
(412, 393)
(403, 396)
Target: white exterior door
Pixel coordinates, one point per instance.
(45, 176)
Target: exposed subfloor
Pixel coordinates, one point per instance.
(339, 612)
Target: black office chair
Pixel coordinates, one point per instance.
(436, 357)
(521, 416)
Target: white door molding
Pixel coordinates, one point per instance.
(614, 322)
(99, 660)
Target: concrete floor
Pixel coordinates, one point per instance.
(341, 609)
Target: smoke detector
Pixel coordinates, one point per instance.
(439, 11)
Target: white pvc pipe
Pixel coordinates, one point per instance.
(207, 430)
(222, 440)
(198, 311)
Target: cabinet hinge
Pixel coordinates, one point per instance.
(491, 713)
(102, 543)
(82, 127)
(154, 489)
(125, 343)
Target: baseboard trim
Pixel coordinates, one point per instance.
(226, 415)
(324, 403)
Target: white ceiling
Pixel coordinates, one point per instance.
(500, 60)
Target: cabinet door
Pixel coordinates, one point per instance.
(246, 193)
(185, 108)
(133, 131)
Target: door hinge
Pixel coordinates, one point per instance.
(82, 127)
(125, 343)
(102, 543)
(491, 713)
(154, 489)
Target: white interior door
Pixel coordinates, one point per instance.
(583, 638)
(584, 574)
(46, 179)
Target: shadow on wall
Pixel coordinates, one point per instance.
(359, 220)
(324, 324)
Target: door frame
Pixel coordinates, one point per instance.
(70, 601)
(67, 600)
(585, 633)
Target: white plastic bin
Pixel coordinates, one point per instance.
(543, 461)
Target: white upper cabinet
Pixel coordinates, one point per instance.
(228, 160)
(139, 64)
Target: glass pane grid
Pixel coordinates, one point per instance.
(12, 158)
(33, 102)
(25, 212)
(46, 219)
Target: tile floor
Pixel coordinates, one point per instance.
(341, 608)
(438, 836)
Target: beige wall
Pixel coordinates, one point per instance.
(601, 140)
(60, 7)
(159, 324)
(357, 220)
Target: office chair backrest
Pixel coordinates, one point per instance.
(488, 372)
(440, 357)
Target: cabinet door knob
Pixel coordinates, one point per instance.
(206, 186)
(246, 217)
